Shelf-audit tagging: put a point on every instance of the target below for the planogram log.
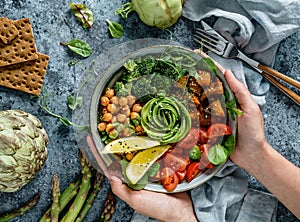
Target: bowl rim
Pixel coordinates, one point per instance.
(103, 83)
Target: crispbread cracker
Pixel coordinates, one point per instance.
(27, 76)
(22, 48)
(8, 30)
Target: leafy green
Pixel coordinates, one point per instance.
(79, 47)
(42, 101)
(217, 154)
(232, 109)
(230, 143)
(116, 30)
(143, 90)
(141, 184)
(153, 170)
(83, 13)
(122, 89)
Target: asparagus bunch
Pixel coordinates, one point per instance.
(20, 211)
(109, 207)
(80, 196)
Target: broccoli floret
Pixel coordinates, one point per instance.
(137, 68)
(170, 70)
(122, 89)
(143, 90)
(161, 82)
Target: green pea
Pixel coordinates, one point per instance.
(194, 153)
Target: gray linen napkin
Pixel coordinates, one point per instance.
(256, 26)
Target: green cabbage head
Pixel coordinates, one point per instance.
(23, 151)
(158, 13)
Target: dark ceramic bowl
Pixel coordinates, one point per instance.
(112, 74)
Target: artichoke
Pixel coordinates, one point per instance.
(23, 151)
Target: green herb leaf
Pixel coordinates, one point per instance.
(217, 154)
(230, 144)
(153, 170)
(74, 102)
(232, 110)
(83, 13)
(116, 30)
(79, 47)
(73, 62)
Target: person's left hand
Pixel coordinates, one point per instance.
(163, 207)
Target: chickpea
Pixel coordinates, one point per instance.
(121, 118)
(137, 108)
(109, 127)
(114, 100)
(123, 101)
(109, 93)
(126, 112)
(113, 133)
(139, 129)
(102, 126)
(129, 156)
(114, 119)
(107, 117)
(134, 115)
(127, 132)
(104, 101)
(112, 108)
(104, 110)
(131, 100)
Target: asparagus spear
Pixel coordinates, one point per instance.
(82, 193)
(64, 199)
(109, 207)
(55, 208)
(20, 211)
(99, 178)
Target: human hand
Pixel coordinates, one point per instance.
(251, 141)
(163, 207)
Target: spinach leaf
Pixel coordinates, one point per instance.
(116, 30)
(217, 154)
(79, 47)
(232, 109)
(83, 13)
(230, 144)
(153, 170)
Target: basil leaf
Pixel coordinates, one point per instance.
(230, 144)
(79, 47)
(217, 154)
(83, 13)
(116, 30)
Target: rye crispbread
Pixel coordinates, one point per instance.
(8, 30)
(22, 48)
(27, 76)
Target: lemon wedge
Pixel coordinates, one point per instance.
(129, 144)
(142, 161)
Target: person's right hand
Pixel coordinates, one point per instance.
(251, 140)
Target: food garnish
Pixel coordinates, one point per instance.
(83, 13)
(179, 103)
(79, 47)
(116, 30)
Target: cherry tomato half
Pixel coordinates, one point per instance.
(190, 140)
(204, 161)
(218, 129)
(176, 162)
(169, 179)
(181, 175)
(203, 138)
(192, 171)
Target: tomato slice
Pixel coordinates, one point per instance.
(218, 129)
(192, 171)
(181, 175)
(204, 161)
(176, 162)
(203, 137)
(190, 140)
(169, 179)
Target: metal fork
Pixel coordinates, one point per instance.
(214, 42)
